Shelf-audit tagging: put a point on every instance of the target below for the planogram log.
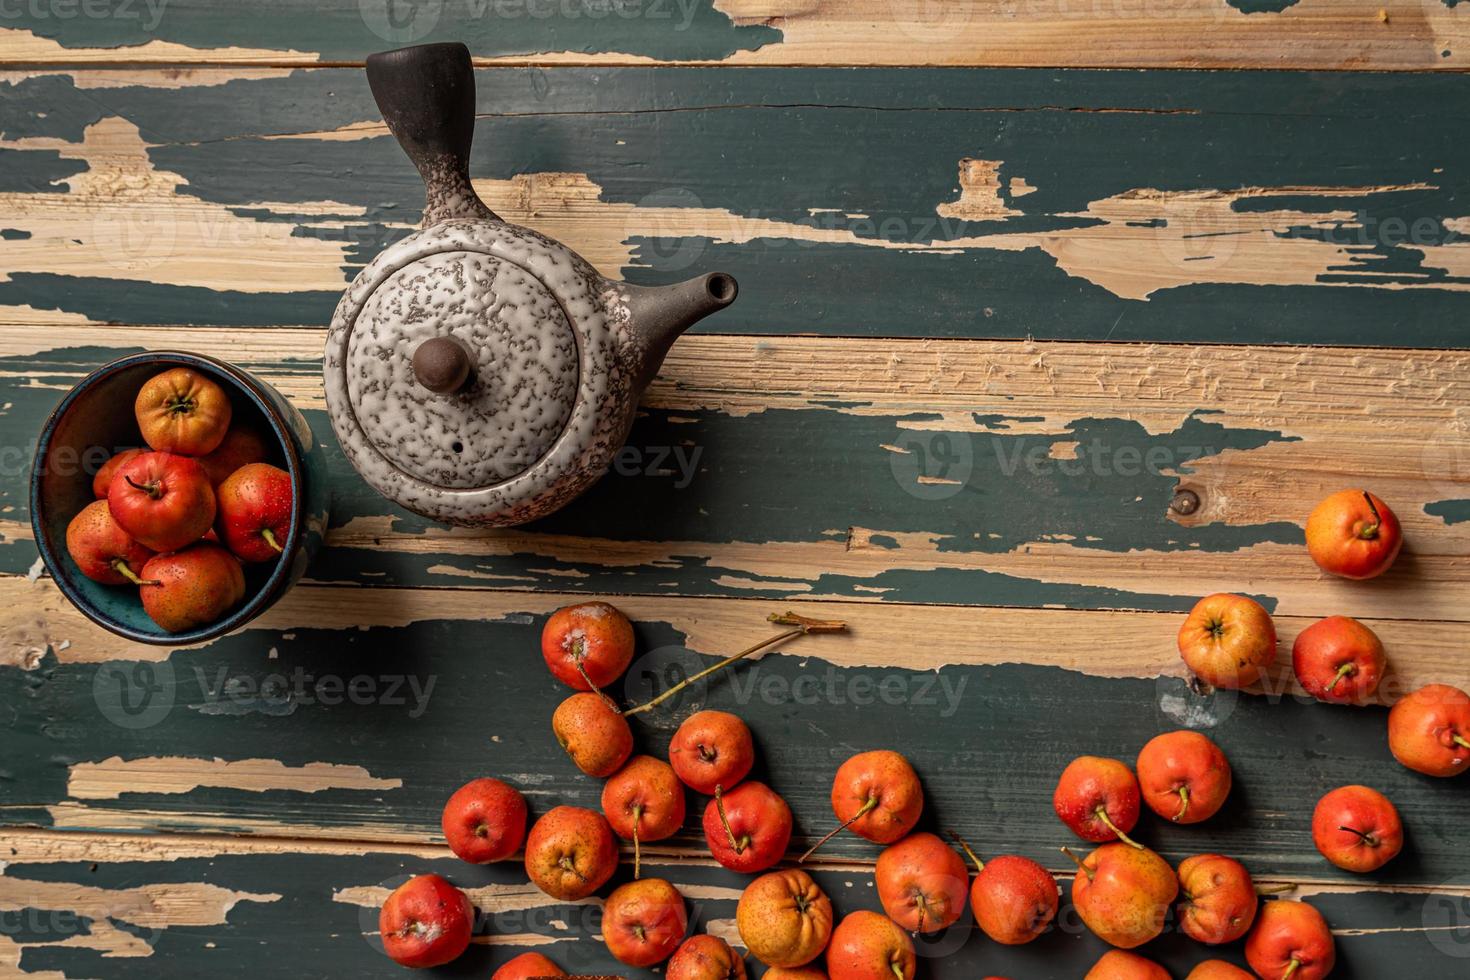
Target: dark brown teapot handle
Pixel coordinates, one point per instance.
(427, 96)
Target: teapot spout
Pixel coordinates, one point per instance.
(659, 314)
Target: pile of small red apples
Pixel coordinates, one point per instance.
(1122, 890)
(175, 520)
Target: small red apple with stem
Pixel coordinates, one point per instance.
(1123, 893)
(869, 946)
(594, 733)
(710, 749)
(426, 922)
(162, 500)
(1339, 660)
(922, 883)
(644, 921)
(1184, 776)
(188, 589)
(570, 853)
(1099, 799)
(705, 958)
(1219, 899)
(103, 551)
(1218, 970)
(1353, 534)
(644, 801)
(1429, 730)
(1357, 828)
(1227, 640)
(1290, 941)
(528, 966)
(587, 646)
(784, 918)
(255, 509)
(1014, 898)
(182, 411)
(484, 821)
(748, 828)
(1119, 965)
(877, 795)
(102, 481)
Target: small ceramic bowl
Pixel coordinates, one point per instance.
(95, 420)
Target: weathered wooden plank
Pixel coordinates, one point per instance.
(1003, 473)
(330, 715)
(87, 905)
(1186, 206)
(1376, 34)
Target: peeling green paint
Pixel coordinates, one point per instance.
(1449, 511)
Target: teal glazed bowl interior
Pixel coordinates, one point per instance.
(95, 420)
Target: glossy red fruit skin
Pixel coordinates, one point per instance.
(182, 411)
(164, 501)
(1183, 761)
(1116, 964)
(706, 958)
(1227, 640)
(1014, 899)
(580, 836)
(869, 946)
(1287, 931)
(1219, 899)
(1090, 782)
(644, 922)
(528, 966)
(595, 634)
(188, 589)
(710, 749)
(102, 482)
(594, 734)
(1336, 532)
(759, 819)
(1339, 660)
(889, 779)
(484, 821)
(98, 545)
(922, 883)
(426, 922)
(1218, 970)
(242, 445)
(1426, 728)
(1366, 811)
(648, 788)
(255, 508)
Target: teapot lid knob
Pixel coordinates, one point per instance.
(442, 365)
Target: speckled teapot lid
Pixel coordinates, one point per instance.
(464, 369)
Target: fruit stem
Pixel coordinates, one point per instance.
(151, 489)
(121, 567)
(735, 845)
(1291, 969)
(1370, 531)
(979, 864)
(867, 808)
(1460, 741)
(1102, 814)
(1183, 803)
(587, 679)
(1366, 838)
(637, 848)
(897, 969)
(1346, 670)
(566, 865)
(270, 539)
(1275, 889)
(1078, 861)
(801, 625)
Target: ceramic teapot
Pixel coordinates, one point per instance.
(478, 372)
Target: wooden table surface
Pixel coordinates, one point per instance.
(1012, 274)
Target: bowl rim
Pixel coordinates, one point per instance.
(255, 391)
